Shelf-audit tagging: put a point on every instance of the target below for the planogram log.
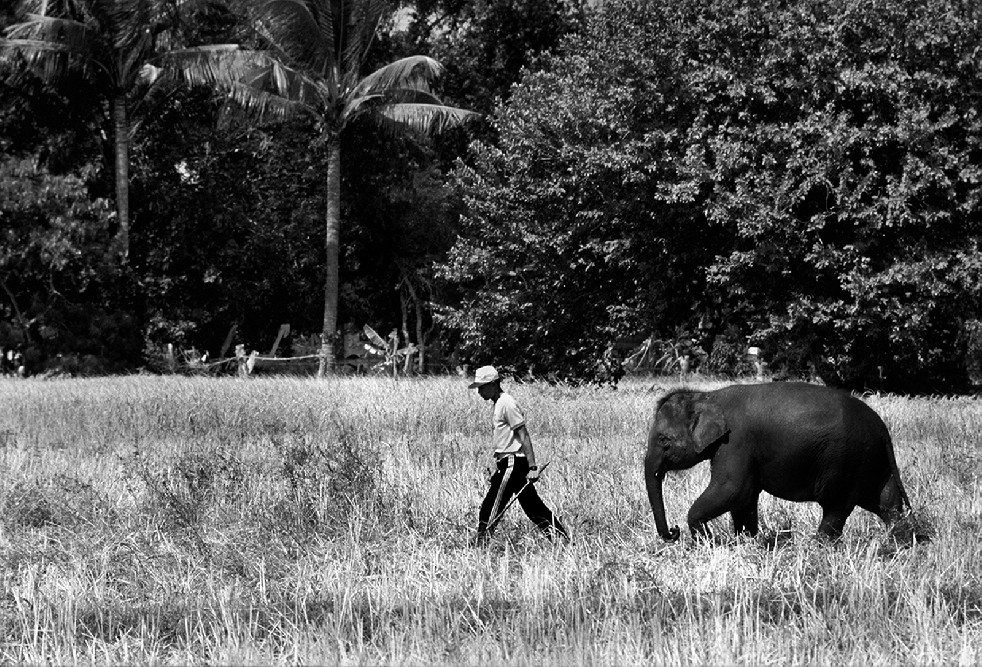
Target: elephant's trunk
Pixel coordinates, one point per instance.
(653, 476)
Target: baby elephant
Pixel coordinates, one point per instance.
(796, 441)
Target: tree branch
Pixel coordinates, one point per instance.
(18, 315)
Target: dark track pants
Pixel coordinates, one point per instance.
(507, 480)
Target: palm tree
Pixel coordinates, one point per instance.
(309, 63)
(107, 41)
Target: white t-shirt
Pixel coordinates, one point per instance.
(507, 417)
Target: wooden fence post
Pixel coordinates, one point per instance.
(241, 359)
(228, 340)
(284, 331)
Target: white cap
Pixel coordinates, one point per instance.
(483, 375)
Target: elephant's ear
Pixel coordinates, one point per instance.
(708, 425)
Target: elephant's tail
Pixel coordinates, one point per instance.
(892, 458)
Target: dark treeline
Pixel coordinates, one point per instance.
(804, 177)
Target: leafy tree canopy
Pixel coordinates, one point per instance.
(55, 285)
(485, 44)
(803, 174)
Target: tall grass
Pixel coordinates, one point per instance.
(181, 520)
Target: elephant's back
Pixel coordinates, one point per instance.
(806, 438)
(772, 399)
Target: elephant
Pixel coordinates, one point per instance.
(794, 440)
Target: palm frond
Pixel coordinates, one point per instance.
(151, 15)
(414, 72)
(269, 39)
(356, 105)
(133, 56)
(74, 9)
(411, 96)
(74, 36)
(158, 91)
(422, 118)
(292, 29)
(215, 64)
(362, 21)
(33, 6)
(135, 17)
(245, 74)
(49, 61)
(277, 79)
(327, 15)
(294, 16)
(265, 106)
(27, 47)
(135, 21)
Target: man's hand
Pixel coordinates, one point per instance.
(533, 474)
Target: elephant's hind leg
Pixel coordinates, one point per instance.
(887, 504)
(834, 520)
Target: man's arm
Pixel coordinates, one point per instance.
(523, 436)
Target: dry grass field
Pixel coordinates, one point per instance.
(194, 520)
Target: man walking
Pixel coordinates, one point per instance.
(516, 471)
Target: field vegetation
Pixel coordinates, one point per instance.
(197, 520)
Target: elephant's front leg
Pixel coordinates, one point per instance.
(746, 519)
(719, 497)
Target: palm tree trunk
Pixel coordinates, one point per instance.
(420, 334)
(420, 338)
(332, 245)
(121, 139)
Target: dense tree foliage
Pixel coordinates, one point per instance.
(57, 291)
(852, 189)
(486, 44)
(234, 224)
(800, 176)
(231, 228)
(803, 176)
(61, 301)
